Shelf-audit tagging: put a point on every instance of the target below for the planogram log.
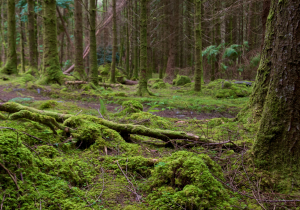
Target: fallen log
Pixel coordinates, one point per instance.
(123, 129)
(75, 82)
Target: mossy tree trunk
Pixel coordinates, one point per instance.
(277, 89)
(115, 47)
(11, 60)
(33, 65)
(143, 89)
(22, 43)
(136, 48)
(127, 41)
(198, 46)
(93, 44)
(78, 35)
(53, 73)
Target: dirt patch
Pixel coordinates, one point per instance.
(9, 92)
(186, 114)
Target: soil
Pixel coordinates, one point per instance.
(8, 92)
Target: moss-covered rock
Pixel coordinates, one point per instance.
(131, 106)
(48, 104)
(149, 120)
(159, 85)
(181, 80)
(185, 180)
(153, 81)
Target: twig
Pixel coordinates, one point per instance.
(78, 112)
(100, 114)
(2, 200)
(11, 176)
(133, 190)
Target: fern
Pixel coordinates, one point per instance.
(232, 52)
(102, 107)
(254, 62)
(212, 51)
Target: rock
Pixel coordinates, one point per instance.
(181, 80)
(243, 82)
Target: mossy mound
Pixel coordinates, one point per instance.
(153, 81)
(130, 107)
(181, 80)
(149, 120)
(185, 180)
(159, 85)
(48, 104)
(227, 89)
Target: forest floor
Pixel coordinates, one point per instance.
(55, 171)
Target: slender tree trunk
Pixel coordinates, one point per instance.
(62, 43)
(127, 42)
(265, 13)
(115, 47)
(86, 37)
(93, 44)
(11, 61)
(143, 90)
(136, 48)
(278, 138)
(22, 43)
(78, 35)
(172, 43)
(33, 65)
(51, 60)
(198, 46)
(1, 35)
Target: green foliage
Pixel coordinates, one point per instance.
(254, 62)
(185, 180)
(181, 80)
(102, 107)
(212, 51)
(149, 120)
(159, 85)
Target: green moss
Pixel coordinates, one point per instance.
(181, 80)
(149, 120)
(185, 179)
(48, 104)
(159, 85)
(130, 107)
(47, 151)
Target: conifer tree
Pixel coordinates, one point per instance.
(115, 47)
(198, 46)
(11, 61)
(33, 65)
(93, 45)
(52, 71)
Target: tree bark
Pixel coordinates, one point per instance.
(277, 89)
(51, 60)
(115, 47)
(143, 89)
(11, 61)
(33, 65)
(198, 47)
(78, 35)
(93, 44)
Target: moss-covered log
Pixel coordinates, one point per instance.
(127, 129)
(12, 107)
(43, 119)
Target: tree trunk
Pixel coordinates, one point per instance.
(198, 46)
(11, 61)
(22, 43)
(93, 45)
(265, 13)
(51, 61)
(78, 35)
(143, 90)
(115, 47)
(136, 48)
(33, 66)
(277, 89)
(172, 42)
